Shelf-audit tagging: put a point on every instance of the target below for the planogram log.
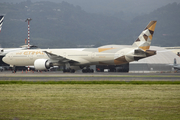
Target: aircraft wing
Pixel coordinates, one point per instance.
(58, 57)
(177, 67)
(63, 59)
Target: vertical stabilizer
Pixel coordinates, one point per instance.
(144, 40)
(1, 21)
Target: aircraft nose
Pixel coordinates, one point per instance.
(5, 59)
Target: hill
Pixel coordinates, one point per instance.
(57, 25)
(168, 28)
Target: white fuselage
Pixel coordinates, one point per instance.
(27, 57)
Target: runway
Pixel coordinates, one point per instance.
(98, 76)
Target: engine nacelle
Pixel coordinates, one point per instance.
(1, 51)
(42, 64)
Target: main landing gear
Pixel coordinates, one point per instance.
(87, 70)
(69, 70)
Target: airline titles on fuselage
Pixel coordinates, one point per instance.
(30, 53)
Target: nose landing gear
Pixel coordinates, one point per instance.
(14, 69)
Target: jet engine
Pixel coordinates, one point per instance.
(42, 64)
(1, 51)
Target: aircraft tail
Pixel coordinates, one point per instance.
(1, 21)
(144, 40)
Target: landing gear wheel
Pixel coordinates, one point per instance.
(92, 71)
(87, 70)
(69, 70)
(14, 69)
(64, 70)
(72, 71)
(84, 71)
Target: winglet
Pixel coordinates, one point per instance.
(144, 40)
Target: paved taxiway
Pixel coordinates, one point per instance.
(98, 76)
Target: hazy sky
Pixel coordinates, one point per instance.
(113, 6)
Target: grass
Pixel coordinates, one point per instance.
(90, 101)
(89, 82)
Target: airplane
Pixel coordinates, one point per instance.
(81, 58)
(175, 65)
